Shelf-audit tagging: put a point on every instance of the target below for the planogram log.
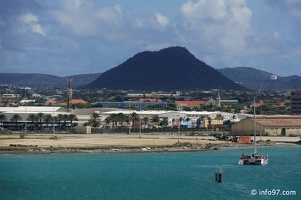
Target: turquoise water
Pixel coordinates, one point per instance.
(149, 176)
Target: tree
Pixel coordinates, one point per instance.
(40, 117)
(71, 118)
(108, 120)
(164, 122)
(47, 119)
(134, 117)
(60, 118)
(114, 119)
(145, 121)
(187, 120)
(209, 121)
(219, 117)
(2, 118)
(200, 121)
(121, 118)
(233, 118)
(32, 118)
(94, 120)
(65, 119)
(156, 118)
(16, 118)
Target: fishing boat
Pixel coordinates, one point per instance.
(255, 158)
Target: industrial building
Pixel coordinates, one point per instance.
(269, 126)
(296, 103)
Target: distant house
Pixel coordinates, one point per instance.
(258, 104)
(281, 104)
(133, 104)
(10, 96)
(73, 101)
(189, 104)
(50, 102)
(78, 101)
(149, 100)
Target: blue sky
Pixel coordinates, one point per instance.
(69, 37)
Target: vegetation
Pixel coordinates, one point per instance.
(36, 80)
(162, 70)
(261, 80)
(94, 120)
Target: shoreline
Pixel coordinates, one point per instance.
(121, 143)
(177, 147)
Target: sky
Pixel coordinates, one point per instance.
(70, 37)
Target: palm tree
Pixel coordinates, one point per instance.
(209, 121)
(187, 120)
(16, 118)
(121, 118)
(32, 118)
(233, 118)
(71, 118)
(2, 118)
(164, 122)
(145, 120)
(134, 117)
(65, 119)
(108, 120)
(219, 117)
(94, 120)
(48, 118)
(156, 118)
(54, 119)
(40, 117)
(59, 118)
(114, 119)
(199, 121)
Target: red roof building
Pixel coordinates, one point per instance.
(78, 101)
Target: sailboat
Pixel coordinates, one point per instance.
(255, 158)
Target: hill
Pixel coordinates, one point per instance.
(260, 80)
(36, 80)
(173, 68)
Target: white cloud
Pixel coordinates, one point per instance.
(31, 21)
(85, 19)
(111, 24)
(295, 7)
(162, 20)
(217, 25)
(276, 35)
(29, 18)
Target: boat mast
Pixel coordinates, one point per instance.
(254, 126)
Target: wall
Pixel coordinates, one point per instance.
(83, 129)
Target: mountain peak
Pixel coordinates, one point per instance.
(172, 68)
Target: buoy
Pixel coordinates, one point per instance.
(218, 175)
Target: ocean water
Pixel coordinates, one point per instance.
(150, 176)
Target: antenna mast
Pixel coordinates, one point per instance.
(69, 84)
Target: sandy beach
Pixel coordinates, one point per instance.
(107, 143)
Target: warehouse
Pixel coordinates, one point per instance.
(269, 126)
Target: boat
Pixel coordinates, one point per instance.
(255, 158)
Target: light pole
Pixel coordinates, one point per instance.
(129, 119)
(53, 127)
(140, 124)
(179, 131)
(25, 118)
